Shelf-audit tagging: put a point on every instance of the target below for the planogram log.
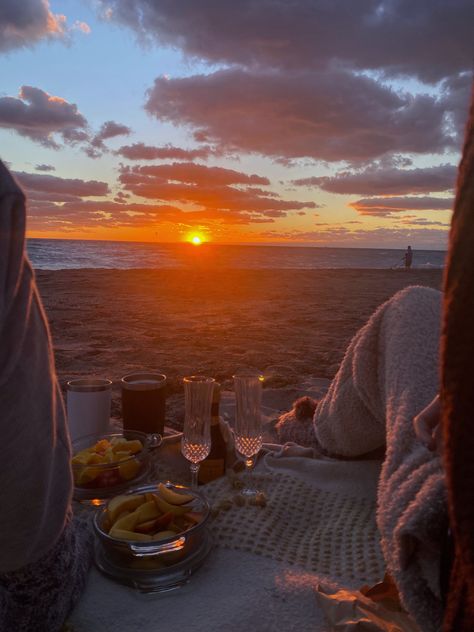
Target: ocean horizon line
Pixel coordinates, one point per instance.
(237, 245)
(75, 253)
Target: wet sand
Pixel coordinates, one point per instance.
(290, 324)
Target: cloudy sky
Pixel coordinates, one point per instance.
(314, 122)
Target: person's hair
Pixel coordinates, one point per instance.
(457, 392)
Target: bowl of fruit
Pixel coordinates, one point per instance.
(105, 465)
(153, 535)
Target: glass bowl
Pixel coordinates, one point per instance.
(95, 482)
(155, 557)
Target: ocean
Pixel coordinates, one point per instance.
(57, 254)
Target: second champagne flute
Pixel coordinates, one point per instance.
(248, 422)
(196, 439)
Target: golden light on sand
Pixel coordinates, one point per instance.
(196, 240)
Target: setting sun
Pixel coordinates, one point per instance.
(196, 240)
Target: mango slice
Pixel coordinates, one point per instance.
(172, 497)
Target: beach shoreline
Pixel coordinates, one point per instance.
(290, 324)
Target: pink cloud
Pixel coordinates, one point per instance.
(386, 206)
(197, 174)
(35, 182)
(390, 181)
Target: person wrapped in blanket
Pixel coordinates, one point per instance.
(45, 554)
(405, 388)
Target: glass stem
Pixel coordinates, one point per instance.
(194, 475)
(249, 461)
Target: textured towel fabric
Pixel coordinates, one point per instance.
(39, 597)
(35, 453)
(388, 375)
(44, 555)
(457, 391)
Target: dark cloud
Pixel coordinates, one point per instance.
(40, 116)
(24, 22)
(140, 151)
(386, 206)
(44, 167)
(422, 221)
(109, 129)
(455, 99)
(329, 115)
(35, 182)
(389, 181)
(210, 188)
(428, 39)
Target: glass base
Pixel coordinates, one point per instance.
(154, 581)
(249, 492)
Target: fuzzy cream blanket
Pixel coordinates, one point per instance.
(388, 375)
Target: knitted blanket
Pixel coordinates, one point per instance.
(388, 375)
(318, 524)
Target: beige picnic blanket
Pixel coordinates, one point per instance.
(318, 525)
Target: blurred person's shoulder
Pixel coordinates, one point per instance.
(8, 184)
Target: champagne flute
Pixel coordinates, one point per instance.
(248, 422)
(196, 439)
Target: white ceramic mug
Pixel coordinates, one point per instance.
(88, 406)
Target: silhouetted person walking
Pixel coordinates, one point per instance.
(408, 258)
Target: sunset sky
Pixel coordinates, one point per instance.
(305, 122)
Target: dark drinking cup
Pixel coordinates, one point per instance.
(144, 402)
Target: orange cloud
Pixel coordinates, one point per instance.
(209, 188)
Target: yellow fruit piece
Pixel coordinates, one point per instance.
(172, 497)
(129, 469)
(81, 458)
(127, 522)
(147, 511)
(121, 456)
(86, 475)
(122, 514)
(165, 507)
(129, 446)
(101, 446)
(128, 502)
(124, 534)
(116, 441)
(96, 459)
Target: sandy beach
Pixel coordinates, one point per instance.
(290, 324)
